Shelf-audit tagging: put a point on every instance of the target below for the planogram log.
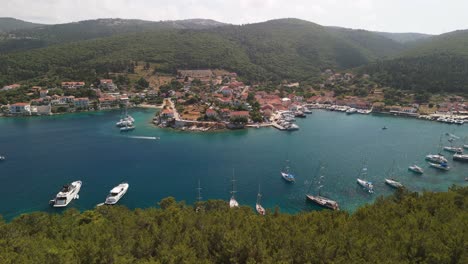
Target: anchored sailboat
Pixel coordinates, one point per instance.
(258, 205)
(364, 183)
(233, 202)
(391, 181)
(199, 198)
(319, 199)
(286, 174)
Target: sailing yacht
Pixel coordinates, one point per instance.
(287, 175)
(416, 169)
(127, 120)
(460, 156)
(66, 194)
(453, 149)
(116, 193)
(437, 158)
(441, 166)
(366, 184)
(391, 181)
(233, 202)
(127, 128)
(258, 205)
(321, 200)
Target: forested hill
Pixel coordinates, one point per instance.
(439, 63)
(45, 35)
(405, 228)
(287, 48)
(10, 24)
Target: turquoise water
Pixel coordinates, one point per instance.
(46, 152)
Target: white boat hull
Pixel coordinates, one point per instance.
(367, 185)
(116, 194)
(393, 183)
(63, 199)
(233, 203)
(439, 166)
(260, 209)
(322, 201)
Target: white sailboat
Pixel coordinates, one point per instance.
(441, 166)
(286, 174)
(364, 183)
(391, 181)
(66, 194)
(437, 158)
(416, 169)
(258, 205)
(199, 198)
(233, 202)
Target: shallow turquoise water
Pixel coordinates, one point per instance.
(47, 152)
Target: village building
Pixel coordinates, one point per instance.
(72, 85)
(211, 113)
(20, 108)
(167, 113)
(43, 93)
(107, 84)
(10, 87)
(82, 103)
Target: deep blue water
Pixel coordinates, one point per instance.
(43, 153)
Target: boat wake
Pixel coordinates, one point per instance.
(142, 137)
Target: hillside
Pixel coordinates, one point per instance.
(45, 35)
(405, 228)
(10, 24)
(437, 64)
(405, 38)
(273, 50)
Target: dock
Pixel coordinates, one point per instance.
(275, 125)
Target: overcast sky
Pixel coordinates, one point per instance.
(425, 16)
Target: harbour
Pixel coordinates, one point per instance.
(87, 147)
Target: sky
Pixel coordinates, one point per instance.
(423, 16)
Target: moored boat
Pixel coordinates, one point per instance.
(258, 205)
(2, 158)
(393, 183)
(306, 110)
(453, 149)
(127, 128)
(233, 202)
(287, 175)
(366, 184)
(460, 157)
(116, 193)
(351, 111)
(436, 158)
(66, 194)
(416, 169)
(319, 199)
(440, 166)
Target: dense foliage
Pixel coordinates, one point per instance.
(405, 228)
(274, 50)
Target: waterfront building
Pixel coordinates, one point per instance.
(82, 103)
(20, 108)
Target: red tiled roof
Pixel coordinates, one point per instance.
(240, 113)
(20, 104)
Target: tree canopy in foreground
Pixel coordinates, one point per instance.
(404, 228)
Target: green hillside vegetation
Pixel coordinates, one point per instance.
(11, 24)
(438, 64)
(405, 228)
(43, 36)
(274, 50)
(405, 38)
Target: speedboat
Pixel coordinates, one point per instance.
(116, 193)
(322, 201)
(366, 184)
(453, 149)
(393, 183)
(127, 128)
(233, 202)
(440, 166)
(436, 158)
(67, 194)
(416, 169)
(460, 157)
(2, 158)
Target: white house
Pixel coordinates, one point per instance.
(20, 108)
